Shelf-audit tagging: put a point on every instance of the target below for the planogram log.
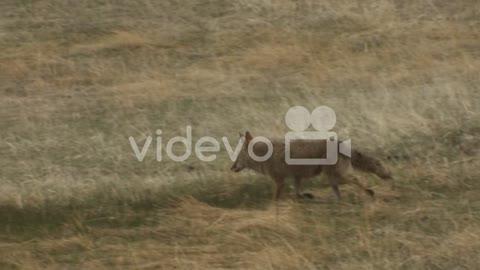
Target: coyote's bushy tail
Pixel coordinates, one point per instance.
(369, 164)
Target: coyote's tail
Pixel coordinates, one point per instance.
(369, 164)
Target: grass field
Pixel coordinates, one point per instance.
(78, 78)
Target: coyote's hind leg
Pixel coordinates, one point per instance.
(351, 179)
(336, 190)
(337, 179)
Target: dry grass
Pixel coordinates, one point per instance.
(80, 77)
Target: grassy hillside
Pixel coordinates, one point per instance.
(78, 78)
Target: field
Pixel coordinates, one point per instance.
(78, 78)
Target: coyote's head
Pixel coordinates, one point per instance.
(243, 157)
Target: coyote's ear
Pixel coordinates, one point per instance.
(240, 134)
(248, 137)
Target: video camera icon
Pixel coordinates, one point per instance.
(323, 119)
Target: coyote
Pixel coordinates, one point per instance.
(276, 167)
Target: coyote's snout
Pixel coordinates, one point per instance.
(276, 167)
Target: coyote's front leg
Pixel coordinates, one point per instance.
(279, 183)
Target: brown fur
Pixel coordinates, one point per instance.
(278, 169)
